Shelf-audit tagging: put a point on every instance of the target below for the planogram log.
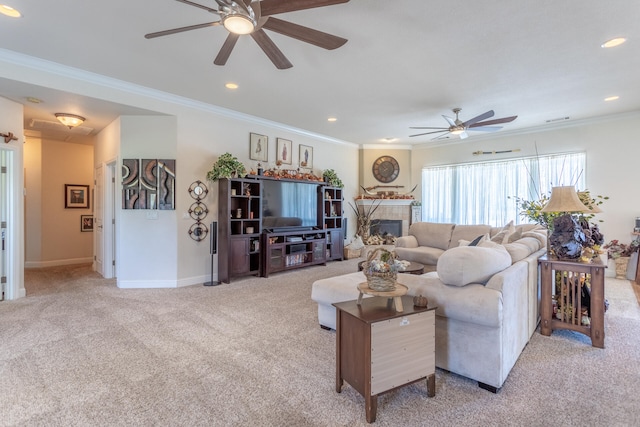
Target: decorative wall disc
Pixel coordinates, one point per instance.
(198, 231)
(198, 211)
(198, 190)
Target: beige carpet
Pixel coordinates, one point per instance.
(78, 351)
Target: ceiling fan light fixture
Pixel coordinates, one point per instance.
(457, 131)
(70, 120)
(238, 24)
(9, 11)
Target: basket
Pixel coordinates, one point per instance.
(380, 281)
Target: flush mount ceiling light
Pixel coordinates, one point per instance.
(9, 11)
(612, 98)
(231, 85)
(613, 42)
(332, 119)
(70, 120)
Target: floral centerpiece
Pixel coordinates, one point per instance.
(615, 249)
(381, 269)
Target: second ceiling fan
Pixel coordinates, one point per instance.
(252, 17)
(460, 128)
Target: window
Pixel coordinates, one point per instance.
(483, 193)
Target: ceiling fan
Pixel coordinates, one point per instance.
(460, 128)
(252, 17)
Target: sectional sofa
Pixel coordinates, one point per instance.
(486, 294)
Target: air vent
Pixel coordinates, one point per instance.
(57, 126)
(559, 119)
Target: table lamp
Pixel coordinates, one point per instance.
(567, 237)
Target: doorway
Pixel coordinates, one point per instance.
(104, 220)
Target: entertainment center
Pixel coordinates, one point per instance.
(267, 225)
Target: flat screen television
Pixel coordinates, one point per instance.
(287, 204)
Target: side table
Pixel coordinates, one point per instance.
(379, 349)
(570, 276)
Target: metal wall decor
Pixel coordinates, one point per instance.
(198, 211)
(148, 184)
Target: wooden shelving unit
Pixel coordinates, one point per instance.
(288, 250)
(330, 215)
(239, 228)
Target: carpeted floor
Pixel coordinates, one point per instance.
(78, 351)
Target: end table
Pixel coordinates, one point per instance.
(379, 349)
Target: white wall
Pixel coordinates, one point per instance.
(612, 146)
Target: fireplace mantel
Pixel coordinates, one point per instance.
(384, 202)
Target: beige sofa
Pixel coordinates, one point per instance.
(487, 299)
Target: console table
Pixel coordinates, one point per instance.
(564, 279)
(379, 349)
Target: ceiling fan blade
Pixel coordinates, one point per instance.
(208, 9)
(482, 116)
(226, 49)
(449, 120)
(305, 34)
(486, 128)
(445, 136)
(271, 50)
(272, 7)
(181, 29)
(429, 133)
(427, 127)
(494, 122)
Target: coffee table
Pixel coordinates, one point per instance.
(413, 268)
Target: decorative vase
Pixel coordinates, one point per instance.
(621, 267)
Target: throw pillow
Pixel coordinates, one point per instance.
(504, 233)
(463, 265)
(540, 236)
(474, 242)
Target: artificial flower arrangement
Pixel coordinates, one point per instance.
(389, 265)
(615, 249)
(381, 269)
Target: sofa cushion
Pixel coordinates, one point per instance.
(541, 236)
(463, 265)
(522, 248)
(422, 254)
(432, 234)
(467, 232)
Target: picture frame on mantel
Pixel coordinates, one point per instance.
(283, 153)
(258, 147)
(76, 196)
(306, 156)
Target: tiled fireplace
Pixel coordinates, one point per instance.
(390, 209)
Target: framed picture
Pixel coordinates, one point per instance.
(86, 222)
(306, 156)
(283, 153)
(76, 196)
(258, 147)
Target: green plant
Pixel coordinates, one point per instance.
(331, 177)
(615, 249)
(532, 209)
(227, 166)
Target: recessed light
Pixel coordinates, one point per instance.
(612, 98)
(9, 11)
(389, 139)
(613, 42)
(332, 119)
(231, 86)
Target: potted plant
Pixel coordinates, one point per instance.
(227, 166)
(620, 253)
(331, 177)
(364, 220)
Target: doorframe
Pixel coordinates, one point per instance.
(14, 240)
(108, 219)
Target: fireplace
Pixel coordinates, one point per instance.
(384, 227)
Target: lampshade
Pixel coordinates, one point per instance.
(564, 199)
(70, 120)
(238, 24)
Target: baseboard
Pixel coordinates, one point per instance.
(57, 262)
(163, 284)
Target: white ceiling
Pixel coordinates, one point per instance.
(406, 63)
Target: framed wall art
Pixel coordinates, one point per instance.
(283, 153)
(258, 147)
(86, 223)
(76, 196)
(306, 156)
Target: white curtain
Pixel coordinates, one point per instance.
(484, 193)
